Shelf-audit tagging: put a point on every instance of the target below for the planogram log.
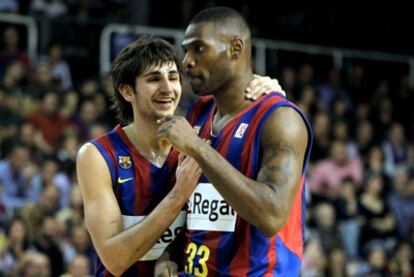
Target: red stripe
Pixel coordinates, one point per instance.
(110, 150)
(142, 180)
(206, 131)
(271, 256)
(240, 263)
(291, 233)
(172, 162)
(145, 268)
(197, 108)
(107, 145)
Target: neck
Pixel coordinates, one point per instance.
(231, 100)
(142, 134)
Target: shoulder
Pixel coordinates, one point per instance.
(286, 122)
(87, 153)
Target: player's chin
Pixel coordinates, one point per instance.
(162, 114)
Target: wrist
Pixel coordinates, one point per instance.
(197, 149)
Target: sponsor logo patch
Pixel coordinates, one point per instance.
(207, 210)
(241, 130)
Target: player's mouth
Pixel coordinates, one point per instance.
(164, 103)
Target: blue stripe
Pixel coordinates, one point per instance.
(288, 263)
(125, 190)
(259, 244)
(227, 249)
(107, 159)
(160, 180)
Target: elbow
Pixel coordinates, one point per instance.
(270, 229)
(115, 271)
(113, 263)
(272, 224)
(115, 268)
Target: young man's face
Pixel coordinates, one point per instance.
(158, 91)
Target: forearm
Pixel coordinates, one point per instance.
(251, 199)
(126, 247)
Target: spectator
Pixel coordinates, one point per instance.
(59, 68)
(78, 267)
(332, 90)
(45, 241)
(10, 51)
(336, 262)
(348, 217)
(322, 139)
(15, 174)
(401, 202)
(395, 149)
(18, 241)
(49, 120)
(35, 264)
(326, 229)
(51, 175)
(314, 260)
(325, 180)
(378, 221)
(364, 137)
(402, 261)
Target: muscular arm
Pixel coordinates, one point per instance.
(265, 202)
(118, 248)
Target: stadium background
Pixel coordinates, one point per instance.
(350, 69)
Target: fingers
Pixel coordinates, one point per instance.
(173, 269)
(250, 87)
(258, 86)
(181, 157)
(164, 119)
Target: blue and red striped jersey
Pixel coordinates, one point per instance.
(220, 243)
(138, 186)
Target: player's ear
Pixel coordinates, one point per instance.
(126, 91)
(236, 48)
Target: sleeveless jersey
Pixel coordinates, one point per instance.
(219, 242)
(138, 186)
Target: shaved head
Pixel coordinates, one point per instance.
(226, 19)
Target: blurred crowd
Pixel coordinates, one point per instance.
(360, 183)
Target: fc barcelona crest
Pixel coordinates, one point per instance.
(197, 129)
(124, 161)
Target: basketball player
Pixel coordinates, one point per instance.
(246, 216)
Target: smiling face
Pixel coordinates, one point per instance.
(157, 91)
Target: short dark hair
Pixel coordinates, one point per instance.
(223, 16)
(132, 61)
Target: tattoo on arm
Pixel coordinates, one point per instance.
(276, 169)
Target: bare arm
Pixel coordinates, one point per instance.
(265, 202)
(118, 248)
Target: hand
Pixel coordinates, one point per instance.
(188, 173)
(176, 130)
(262, 85)
(166, 269)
